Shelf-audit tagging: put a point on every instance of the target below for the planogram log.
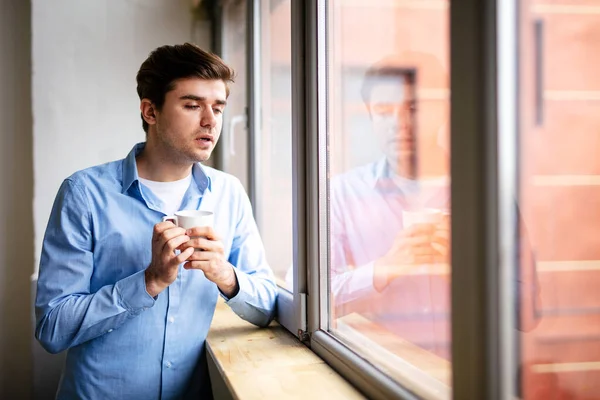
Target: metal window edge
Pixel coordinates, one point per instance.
(356, 370)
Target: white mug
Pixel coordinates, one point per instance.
(188, 219)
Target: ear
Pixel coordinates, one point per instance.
(148, 111)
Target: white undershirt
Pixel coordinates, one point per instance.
(170, 193)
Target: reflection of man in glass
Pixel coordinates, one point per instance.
(389, 270)
(390, 97)
(380, 266)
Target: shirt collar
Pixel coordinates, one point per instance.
(380, 172)
(130, 172)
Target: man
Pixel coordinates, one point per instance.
(127, 295)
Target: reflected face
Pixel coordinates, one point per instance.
(393, 113)
(189, 124)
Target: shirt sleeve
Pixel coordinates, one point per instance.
(67, 313)
(348, 281)
(257, 295)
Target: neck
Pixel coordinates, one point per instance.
(401, 170)
(155, 165)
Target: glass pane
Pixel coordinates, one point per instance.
(233, 146)
(274, 155)
(559, 175)
(388, 160)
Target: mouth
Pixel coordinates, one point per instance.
(407, 141)
(205, 139)
(204, 142)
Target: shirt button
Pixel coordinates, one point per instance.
(110, 330)
(171, 320)
(168, 364)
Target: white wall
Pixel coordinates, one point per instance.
(16, 191)
(85, 58)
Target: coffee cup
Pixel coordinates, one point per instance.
(188, 219)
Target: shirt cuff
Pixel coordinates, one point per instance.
(243, 286)
(353, 284)
(363, 278)
(132, 293)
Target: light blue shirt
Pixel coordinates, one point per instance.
(91, 296)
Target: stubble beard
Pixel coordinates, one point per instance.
(187, 154)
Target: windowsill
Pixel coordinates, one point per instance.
(246, 362)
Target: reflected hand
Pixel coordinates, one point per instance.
(209, 257)
(418, 245)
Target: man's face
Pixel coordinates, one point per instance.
(189, 124)
(393, 113)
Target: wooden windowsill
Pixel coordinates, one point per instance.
(268, 363)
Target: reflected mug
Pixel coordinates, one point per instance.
(423, 216)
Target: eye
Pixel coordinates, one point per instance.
(383, 108)
(191, 106)
(218, 111)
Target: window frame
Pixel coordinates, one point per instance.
(291, 306)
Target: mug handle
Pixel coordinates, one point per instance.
(171, 218)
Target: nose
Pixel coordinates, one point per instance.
(208, 118)
(402, 118)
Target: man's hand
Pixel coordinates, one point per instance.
(166, 238)
(210, 258)
(417, 245)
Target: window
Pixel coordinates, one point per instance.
(274, 138)
(351, 120)
(557, 179)
(388, 188)
(233, 148)
(256, 143)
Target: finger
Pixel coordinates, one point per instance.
(203, 244)
(443, 233)
(427, 259)
(441, 240)
(204, 231)
(172, 244)
(418, 241)
(168, 234)
(423, 251)
(441, 249)
(420, 229)
(200, 265)
(446, 218)
(183, 256)
(202, 256)
(160, 228)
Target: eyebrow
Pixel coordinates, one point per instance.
(198, 98)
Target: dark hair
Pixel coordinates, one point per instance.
(383, 75)
(424, 67)
(166, 64)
